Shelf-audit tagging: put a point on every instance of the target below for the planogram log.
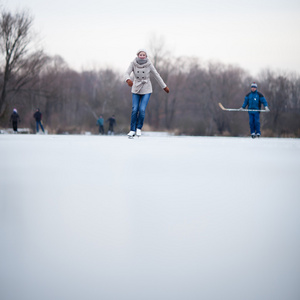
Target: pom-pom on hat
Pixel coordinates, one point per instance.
(142, 50)
(254, 85)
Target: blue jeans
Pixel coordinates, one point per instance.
(254, 122)
(139, 104)
(37, 126)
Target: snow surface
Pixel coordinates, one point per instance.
(105, 217)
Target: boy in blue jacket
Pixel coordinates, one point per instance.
(254, 100)
(100, 123)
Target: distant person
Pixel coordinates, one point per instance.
(111, 123)
(38, 120)
(100, 123)
(15, 120)
(141, 90)
(254, 100)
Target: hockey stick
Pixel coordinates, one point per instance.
(237, 109)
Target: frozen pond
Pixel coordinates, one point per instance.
(179, 218)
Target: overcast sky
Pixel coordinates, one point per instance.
(254, 34)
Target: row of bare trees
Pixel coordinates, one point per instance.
(21, 62)
(71, 101)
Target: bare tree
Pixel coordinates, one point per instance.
(159, 54)
(282, 93)
(19, 65)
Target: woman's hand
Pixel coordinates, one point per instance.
(129, 82)
(167, 90)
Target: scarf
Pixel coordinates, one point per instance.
(141, 61)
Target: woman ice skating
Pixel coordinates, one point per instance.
(141, 67)
(15, 120)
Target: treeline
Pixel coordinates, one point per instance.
(71, 101)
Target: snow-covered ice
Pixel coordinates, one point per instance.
(105, 217)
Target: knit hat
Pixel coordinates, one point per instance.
(142, 50)
(15, 110)
(254, 85)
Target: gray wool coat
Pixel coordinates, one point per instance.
(141, 77)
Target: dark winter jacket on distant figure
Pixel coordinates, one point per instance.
(38, 116)
(15, 119)
(112, 122)
(254, 100)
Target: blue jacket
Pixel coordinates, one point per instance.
(100, 121)
(254, 100)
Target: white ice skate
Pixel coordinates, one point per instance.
(131, 134)
(138, 132)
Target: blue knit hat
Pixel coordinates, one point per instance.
(254, 85)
